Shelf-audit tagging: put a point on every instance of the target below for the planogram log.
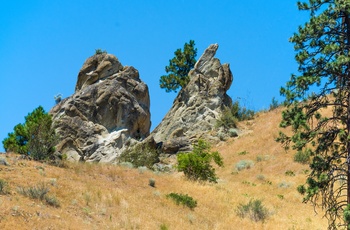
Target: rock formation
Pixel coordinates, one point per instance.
(197, 106)
(108, 111)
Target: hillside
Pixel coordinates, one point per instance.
(98, 196)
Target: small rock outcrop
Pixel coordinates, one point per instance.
(109, 110)
(197, 106)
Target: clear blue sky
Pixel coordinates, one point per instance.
(43, 45)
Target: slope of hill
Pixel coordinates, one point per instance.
(98, 196)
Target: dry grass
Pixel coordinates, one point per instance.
(109, 197)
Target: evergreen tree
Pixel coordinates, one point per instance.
(178, 68)
(35, 137)
(322, 84)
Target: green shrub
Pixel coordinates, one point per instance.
(274, 104)
(233, 132)
(196, 164)
(140, 155)
(254, 210)
(185, 200)
(39, 192)
(232, 114)
(260, 177)
(4, 189)
(35, 137)
(99, 51)
(302, 157)
(52, 201)
(242, 153)
(261, 158)
(242, 113)
(163, 227)
(244, 164)
(284, 184)
(152, 182)
(289, 173)
(227, 120)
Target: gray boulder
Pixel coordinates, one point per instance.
(108, 111)
(197, 106)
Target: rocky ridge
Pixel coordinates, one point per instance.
(109, 111)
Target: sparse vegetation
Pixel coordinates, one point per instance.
(58, 98)
(100, 51)
(232, 115)
(196, 164)
(120, 197)
(289, 173)
(185, 200)
(254, 209)
(274, 104)
(152, 182)
(4, 189)
(244, 164)
(39, 192)
(140, 155)
(260, 158)
(242, 153)
(302, 157)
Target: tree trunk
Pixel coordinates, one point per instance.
(346, 26)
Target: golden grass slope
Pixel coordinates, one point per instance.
(96, 196)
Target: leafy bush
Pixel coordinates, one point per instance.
(185, 200)
(35, 137)
(196, 164)
(140, 155)
(254, 210)
(3, 187)
(244, 164)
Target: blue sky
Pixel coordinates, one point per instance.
(43, 45)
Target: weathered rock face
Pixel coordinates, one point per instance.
(108, 111)
(197, 106)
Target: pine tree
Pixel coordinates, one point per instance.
(318, 106)
(178, 68)
(35, 137)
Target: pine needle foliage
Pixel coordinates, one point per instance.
(322, 48)
(178, 68)
(35, 137)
